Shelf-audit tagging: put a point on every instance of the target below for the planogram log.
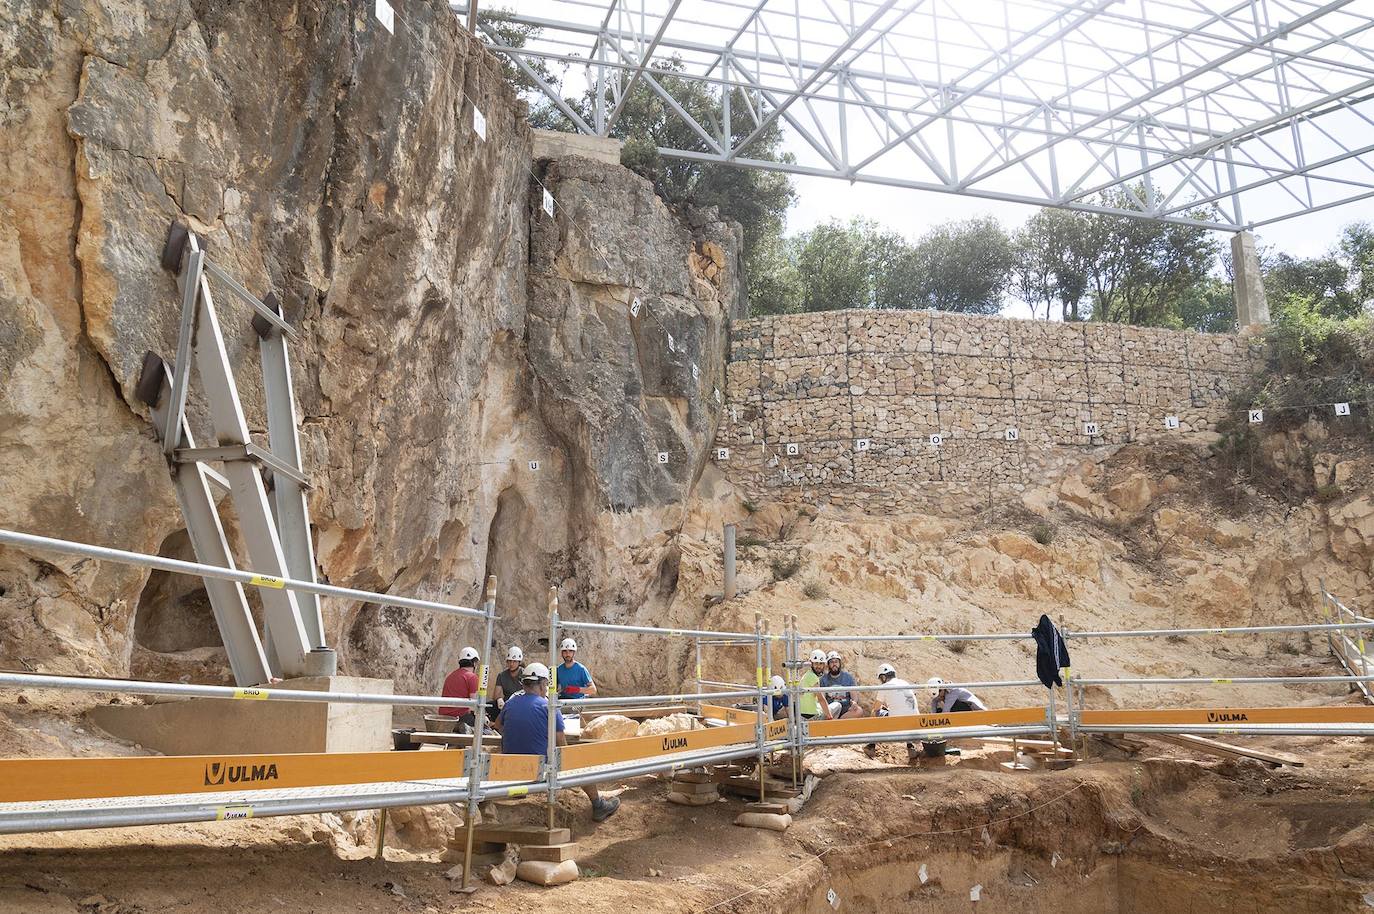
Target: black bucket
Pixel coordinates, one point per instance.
(933, 748)
(400, 740)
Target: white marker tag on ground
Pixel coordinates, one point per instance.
(1013, 434)
(1054, 860)
(635, 306)
(386, 16)
(1171, 422)
(534, 466)
(672, 343)
(834, 899)
(1090, 429)
(923, 875)
(976, 892)
(722, 453)
(718, 398)
(937, 440)
(1256, 416)
(662, 456)
(548, 202)
(479, 123)
(793, 450)
(696, 373)
(861, 444)
(1342, 409)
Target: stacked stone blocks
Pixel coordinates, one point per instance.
(847, 402)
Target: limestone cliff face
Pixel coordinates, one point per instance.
(439, 352)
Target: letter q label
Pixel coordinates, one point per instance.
(792, 449)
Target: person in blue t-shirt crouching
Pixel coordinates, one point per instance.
(524, 726)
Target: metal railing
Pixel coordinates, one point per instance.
(756, 740)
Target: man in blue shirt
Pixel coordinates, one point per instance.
(842, 704)
(574, 680)
(524, 726)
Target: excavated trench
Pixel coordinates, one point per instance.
(1160, 836)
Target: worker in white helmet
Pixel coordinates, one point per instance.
(462, 683)
(507, 681)
(524, 726)
(778, 699)
(946, 699)
(810, 705)
(901, 702)
(572, 679)
(841, 701)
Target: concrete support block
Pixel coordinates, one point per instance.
(1252, 307)
(225, 726)
(554, 144)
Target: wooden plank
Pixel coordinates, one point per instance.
(496, 833)
(692, 777)
(729, 715)
(691, 788)
(774, 808)
(1226, 750)
(462, 740)
(551, 853)
(38, 779)
(609, 752)
(749, 787)
(907, 722)
(635, 713)
(1342, 714)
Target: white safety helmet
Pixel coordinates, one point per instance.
(568, 645)
(818, 656)
(887, 669)
(936, 684)
(515, 654)
(535, 671)
(833, 655)
(468, 653)
(777, 683)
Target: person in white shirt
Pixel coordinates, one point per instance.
(946, 700)
(901, 702)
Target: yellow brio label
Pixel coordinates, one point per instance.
(518, 791)
(1221, 680)
(229, 813)
(254, 694)
(262, 580)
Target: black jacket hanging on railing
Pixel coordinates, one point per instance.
(1051, 653)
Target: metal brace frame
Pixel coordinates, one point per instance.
(278, 543)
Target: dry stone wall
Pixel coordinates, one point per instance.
(917, 409)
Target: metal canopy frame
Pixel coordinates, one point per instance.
(1231, 114)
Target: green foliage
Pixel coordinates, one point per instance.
(833, 264)
(964, 266)
(959, 266)
(814, 590)
(1338, 284)
(1052, 260)
(1043, 533)
(1208, 306)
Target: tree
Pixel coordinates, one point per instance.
(833, 265)
(965, 266)
(1208, 306)
(1052, 258)
(774, 283)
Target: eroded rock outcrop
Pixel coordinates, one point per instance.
(334, 163)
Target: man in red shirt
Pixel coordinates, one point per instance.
(462, 683)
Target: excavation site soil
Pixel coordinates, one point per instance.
(1135, 826)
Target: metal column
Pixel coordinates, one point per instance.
(476, 761)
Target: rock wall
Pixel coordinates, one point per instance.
(844, 406)
(439, 349)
